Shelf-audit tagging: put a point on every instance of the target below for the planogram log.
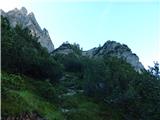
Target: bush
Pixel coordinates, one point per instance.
(107, 77)
(11, 81)
(22, 53)
(81, 115)
(95, 78)
(145, 102)
(44, 89)
(71, 62)
(13, 104)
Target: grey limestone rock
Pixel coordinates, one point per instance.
(116, 49)
(64, 49)
(110, 48)
(22, 17)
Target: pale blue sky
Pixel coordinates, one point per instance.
(136, 24)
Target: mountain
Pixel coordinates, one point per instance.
(110, 48)
(21, 17)
(67, 48)
(71, 84)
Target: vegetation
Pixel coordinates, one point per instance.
(25, 55)
(72, 87)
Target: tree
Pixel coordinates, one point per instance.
(95, 78)
(155, 70)
(22, 53)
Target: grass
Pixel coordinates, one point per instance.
(12, 104)
(46, 109)
(22, 94)
(16, 99)
(80, 108)
(84, 108)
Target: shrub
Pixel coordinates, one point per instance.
(71, 62)
(11, 81)
(22, 53)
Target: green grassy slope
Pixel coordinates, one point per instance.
(20, 94)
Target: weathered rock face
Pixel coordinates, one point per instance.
(110, 48)
(21, 17)
(113, 48)
(64, 49)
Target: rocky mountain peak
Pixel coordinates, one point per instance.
(2, 12)
(31, 14)
(64, 49)
(21, 17)
(112, 48)
(23, 11)
(45, 31)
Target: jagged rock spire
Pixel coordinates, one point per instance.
(21, 16)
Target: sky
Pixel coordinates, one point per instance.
(91, 23)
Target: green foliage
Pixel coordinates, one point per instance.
(155, 70)
(46, 109)
(94, 75)
(22, 53)
(71, 62)
(12, 81)
(116, 83)
(119, 74)
(143, 101)
(43, 89)
(107, 77)
(76, 49)
(80, 108)
(12, 104)
(113, 89)
(82, 115)
(20, 94)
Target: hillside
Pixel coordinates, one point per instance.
(71, 84)
(110, 49)
(25, 19)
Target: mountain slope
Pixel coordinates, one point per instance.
(21, 17)
(112, 48)
(71, 84)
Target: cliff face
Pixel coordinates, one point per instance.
(64, 49)
(21, 17)
(112, 48)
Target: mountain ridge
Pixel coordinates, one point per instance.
(25, 19)
(113, 48)
(71, 84)
(110, 48)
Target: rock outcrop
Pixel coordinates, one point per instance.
(67, 48)
(64, 49)
(112, 48)
(24, 19)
